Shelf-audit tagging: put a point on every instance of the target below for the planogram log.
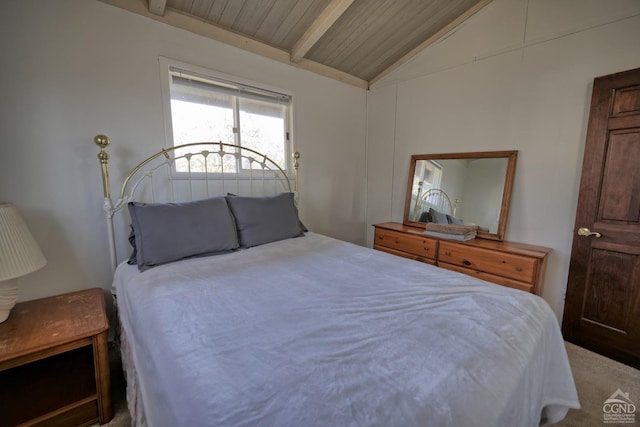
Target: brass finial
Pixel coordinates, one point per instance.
(296, 165)
(102, 141)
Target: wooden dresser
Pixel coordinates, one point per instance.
(516, 265)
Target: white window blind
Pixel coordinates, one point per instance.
(206, 108)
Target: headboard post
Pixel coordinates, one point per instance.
(102, 141)
(296, 165)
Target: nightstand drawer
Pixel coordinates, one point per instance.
(508, 265)
(414, 245)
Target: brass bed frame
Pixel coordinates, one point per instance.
(248, 167)
(434, 198)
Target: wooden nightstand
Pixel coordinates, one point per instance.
(54, 367)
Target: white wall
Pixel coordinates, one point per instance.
(518, 75)
(72, 69)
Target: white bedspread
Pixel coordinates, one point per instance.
(313, 331)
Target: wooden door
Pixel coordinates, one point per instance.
(602, 305)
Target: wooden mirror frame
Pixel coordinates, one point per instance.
(511, 156)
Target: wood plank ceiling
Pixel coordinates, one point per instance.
(356, 41)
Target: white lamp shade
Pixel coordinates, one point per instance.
(19, 252)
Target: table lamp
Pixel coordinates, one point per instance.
(19, 255)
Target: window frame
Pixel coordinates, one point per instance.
(166, 64)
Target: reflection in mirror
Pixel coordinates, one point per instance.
(463, 188)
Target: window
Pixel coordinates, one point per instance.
(432, 174)
(427, 175)
(212, 108)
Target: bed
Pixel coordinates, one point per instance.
(308, 330)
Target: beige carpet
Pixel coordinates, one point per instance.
(596, 377)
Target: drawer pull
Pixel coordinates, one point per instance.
(426, 249)
(465, 262)
(447, 253)
(518, 269)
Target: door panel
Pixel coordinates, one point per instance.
(626, 101)
(602, 305)
(608, 292)
(620, 197)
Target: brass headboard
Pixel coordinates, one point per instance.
(191, 171)
(432, 198)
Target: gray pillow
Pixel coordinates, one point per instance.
(261, 220)
(165, 232)
(438, 217)
(425, 217)
(454, 220)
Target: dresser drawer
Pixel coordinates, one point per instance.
(422, 247)
(504, 281)
(517, 267)
(396, 252)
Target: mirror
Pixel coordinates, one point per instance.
(474, 188)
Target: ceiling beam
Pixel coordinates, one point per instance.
(413, 52)
(157, 6)
(327, 18)
(206, 29)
